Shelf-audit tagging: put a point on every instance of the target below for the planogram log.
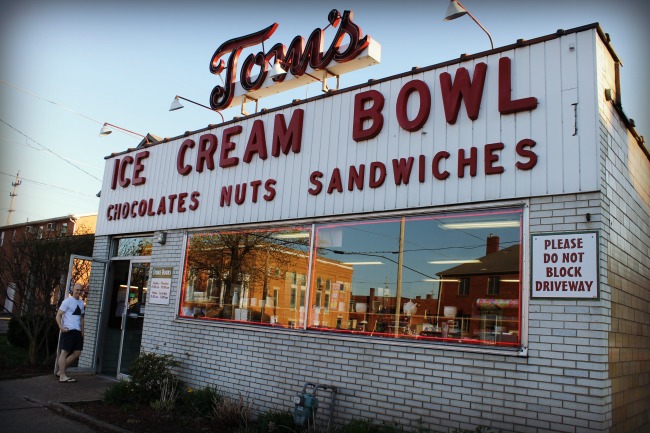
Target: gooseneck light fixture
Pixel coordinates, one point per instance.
(107, 128)
(278, 69)
(176, 105)
(457, 10)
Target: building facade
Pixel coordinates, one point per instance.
(12, 236)
(459, 245)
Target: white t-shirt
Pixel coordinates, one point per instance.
(73, 310)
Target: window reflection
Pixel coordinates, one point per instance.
(253, 276)
(452, 278)
(131, 247)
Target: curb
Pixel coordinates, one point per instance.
(69, 412)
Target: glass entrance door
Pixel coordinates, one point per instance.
(133, 318)
(128, 280)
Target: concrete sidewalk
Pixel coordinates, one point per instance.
(34, 404)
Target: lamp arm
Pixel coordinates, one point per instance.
(126, 130)
(478, 23)
(146, 139)
(481, 26)
(204, 106)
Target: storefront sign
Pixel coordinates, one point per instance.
(160, 287)
(565, 265)
(368, 118)
(303, 62)
(454, 133)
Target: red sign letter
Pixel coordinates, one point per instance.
(471, 93)
(285, 138)
(491, 159)
(256, 142)
(507, 105)
(424, 109)
(206, 153)
(228, 146)
(469, 161)
(372, 113)
(522, 151)
(181, 167)
(138, 167)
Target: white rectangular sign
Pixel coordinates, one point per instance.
(565, 265)
(370, 56)
(160, 287)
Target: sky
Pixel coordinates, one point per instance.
(68, 66)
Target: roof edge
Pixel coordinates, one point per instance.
(72, 217)
(463, 58)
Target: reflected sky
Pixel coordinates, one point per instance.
(426, 239)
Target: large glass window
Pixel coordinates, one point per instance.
(424, 277)
(451, 278)
(247, 275)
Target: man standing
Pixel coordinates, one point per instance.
(70, 319)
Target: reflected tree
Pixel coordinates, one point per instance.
(238, 260)
(140, 246)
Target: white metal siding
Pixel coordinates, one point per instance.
(559, 73)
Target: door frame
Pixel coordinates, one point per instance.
(63, 294)
(143, 259)
(106, 302)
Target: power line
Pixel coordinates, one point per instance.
(52, 152)
(50, 185)
(122, 130)
(26, 143)
(8, 140)
(51, 102)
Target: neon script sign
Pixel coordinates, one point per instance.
(300, 59)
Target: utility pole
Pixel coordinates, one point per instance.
(13, 195)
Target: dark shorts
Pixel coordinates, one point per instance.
(72, 341)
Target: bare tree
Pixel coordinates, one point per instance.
(242, 257)
(35, 270)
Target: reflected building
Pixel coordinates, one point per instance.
(257, 277)
(481, 297)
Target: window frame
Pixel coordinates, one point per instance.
(463, 286)
(293, 297)
(279, 283)
(145, 242)
(522, 206)
(493, 285)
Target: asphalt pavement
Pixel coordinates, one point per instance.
(34, 405)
